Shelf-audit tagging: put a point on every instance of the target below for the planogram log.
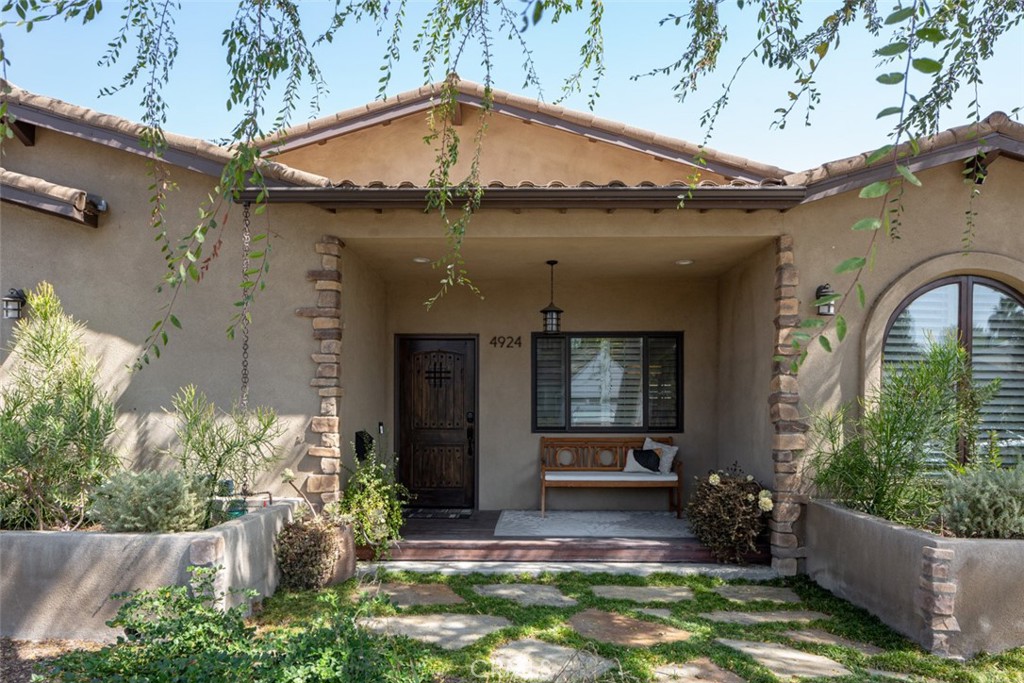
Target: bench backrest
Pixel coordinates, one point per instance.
(590, 453)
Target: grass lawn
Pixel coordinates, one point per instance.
(292, 613)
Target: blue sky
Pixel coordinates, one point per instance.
(59, 60)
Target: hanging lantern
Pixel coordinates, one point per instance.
(14, 304)
(552, 313)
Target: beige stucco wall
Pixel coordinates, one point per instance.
(384, 153)
(746, 338)
(508, 450)
(107, 278)
(933, 224)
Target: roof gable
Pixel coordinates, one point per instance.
(363, 128)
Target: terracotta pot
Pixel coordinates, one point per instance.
(345, 567)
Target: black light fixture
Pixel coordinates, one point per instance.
(552, 313)
(828, 306)
(14, 304)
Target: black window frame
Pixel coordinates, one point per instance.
(567, 383)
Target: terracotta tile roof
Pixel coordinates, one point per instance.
(558, 184)
(117, 125)
(996, 124)
(38, 186)
(575, 121)
(42, 195)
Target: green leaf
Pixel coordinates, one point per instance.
(821, 50)
(867, 224)
(840, 328)
(850, 264)
(908, 174)
(812, 323)
(827, 299)
(860, 294)
(876, 189)
(927, 66)
(825, 343)
(174, 321)
(892, 49)
(932, 35)
(888, 111)
(890, 78)
(879, 153)
(899, 15)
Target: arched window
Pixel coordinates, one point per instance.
(988, 318)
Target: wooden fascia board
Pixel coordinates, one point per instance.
(118, 140)
(48, 205)
(883, 171)
(23, 131)
(754, 198)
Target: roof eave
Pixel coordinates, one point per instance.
(50, 205)
(603, 198)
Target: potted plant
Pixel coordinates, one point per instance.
(316, 548)
(728, 513)
(373, 501)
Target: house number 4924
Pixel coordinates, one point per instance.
(506, 342)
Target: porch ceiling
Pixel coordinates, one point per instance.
(579, 259)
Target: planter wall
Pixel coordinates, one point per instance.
(58, 584)
(954, 597)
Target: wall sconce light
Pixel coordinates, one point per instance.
(14, 304)
(552, 313)
(825, 299)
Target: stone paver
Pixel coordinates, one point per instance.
(618, 629)
(752, 618)
(447, 631)
(695, 671)
(526, 594)
(786, 662)
(659, 612)
(535, 660)
(819, 637)
(413, 594)
(754, 593)
(644, 593)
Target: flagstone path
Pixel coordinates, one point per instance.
(526, 594)
(532, 659)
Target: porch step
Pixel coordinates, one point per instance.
(559, 550)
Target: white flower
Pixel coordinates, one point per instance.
(750, 477)
(714, 480)
(764, 493)
(750, 497)
(765, 504)
(287, 476)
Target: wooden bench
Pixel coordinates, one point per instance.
(597, 462)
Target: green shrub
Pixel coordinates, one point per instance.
(878, 459)
(727, 513)
(54, 422)
(214, 445)
(149, 501)
(984, 502)
(178, 635)
(373, 501)
(307, 551)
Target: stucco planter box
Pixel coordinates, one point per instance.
(955, 597)
(57, 584)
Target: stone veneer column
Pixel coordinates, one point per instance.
(789, 440)
(326, 321)
(936, 599)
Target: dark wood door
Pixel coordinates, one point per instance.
(437, 421)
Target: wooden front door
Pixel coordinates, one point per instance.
(437, 420)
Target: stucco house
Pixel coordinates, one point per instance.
(673, 316)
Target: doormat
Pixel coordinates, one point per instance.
(591, 524)
(437, 513)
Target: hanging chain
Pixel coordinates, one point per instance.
(243, 400)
